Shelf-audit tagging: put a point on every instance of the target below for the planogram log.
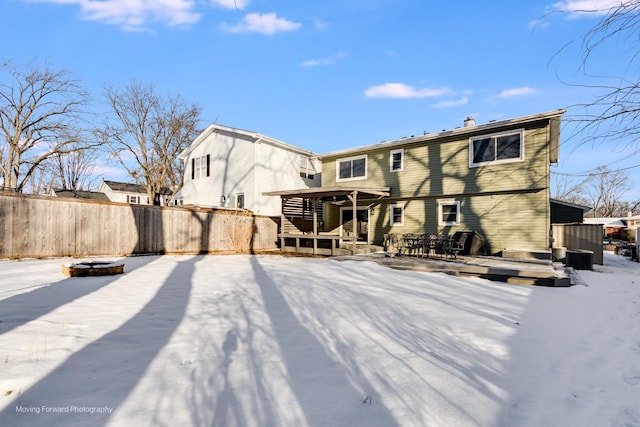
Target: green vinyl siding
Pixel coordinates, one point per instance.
(507, 203)
(506, 221)
(442, 167)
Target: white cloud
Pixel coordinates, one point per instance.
(400, 90)
(509, 93)
(325, 61)
(452, 103)
(267, 23)
(577, 8)
(135, 15)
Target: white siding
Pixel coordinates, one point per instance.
(244, 164)
(230, 171)
(278, 169)
(121, 196)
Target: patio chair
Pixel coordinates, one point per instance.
(408, 244)
(430, 245)
(455, 246)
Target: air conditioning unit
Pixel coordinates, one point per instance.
(579, 259)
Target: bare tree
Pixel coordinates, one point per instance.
(73, 171)
(604, 190)
(42, 179)
(40, 112)
(569, 189)
(614, 112)
(147, 132)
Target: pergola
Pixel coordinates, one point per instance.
(332, 194)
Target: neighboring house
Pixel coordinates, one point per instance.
(623, 228)
(77, 194)
(231, 168)
(491, 178)
(135, 194)
(566, 212)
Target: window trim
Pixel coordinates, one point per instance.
(307, 169)
(442, 203)
(201, 168)
(236, 198)
(392, 223)
(520, 158)
(351, 159)
(391, 153)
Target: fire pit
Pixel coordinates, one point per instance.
(92, 268)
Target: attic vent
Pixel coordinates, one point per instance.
(469, 121)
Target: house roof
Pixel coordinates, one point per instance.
(607, 222)
(92, 195)
(133, 188)
(571, 205)
(213, 128)
(461, 131)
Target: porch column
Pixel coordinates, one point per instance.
(315, 224)
(282, 219)
(354, 200)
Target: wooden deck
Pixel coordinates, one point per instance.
(521, 272)
(315, 244)
(325, 244)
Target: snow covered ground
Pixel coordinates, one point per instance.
(274, 341)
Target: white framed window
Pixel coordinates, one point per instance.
(306, 168)
(200, 167)
(134, 200)
(396, 160)
(239, 200)
(449, 212)
(504, 147)
(351, 168)
(396, 214)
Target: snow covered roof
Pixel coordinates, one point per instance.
(607, 222)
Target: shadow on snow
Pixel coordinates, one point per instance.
(106, 371)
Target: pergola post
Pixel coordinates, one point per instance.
(353, 197)
(314, 202)
(283, 200)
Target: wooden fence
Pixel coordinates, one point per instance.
(38, 226)
(579, 236)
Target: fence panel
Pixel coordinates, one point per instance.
(580, 236)
(38, 226)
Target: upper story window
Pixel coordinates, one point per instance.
(351, 168)
(396, 160)
(133, 199)
(200, 167)
(502, 147)
(306, 168)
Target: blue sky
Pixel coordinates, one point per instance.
(329, 75)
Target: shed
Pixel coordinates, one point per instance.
(566, 212)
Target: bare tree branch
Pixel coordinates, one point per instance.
(40, 117)
(146, 132)
(613, 115)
